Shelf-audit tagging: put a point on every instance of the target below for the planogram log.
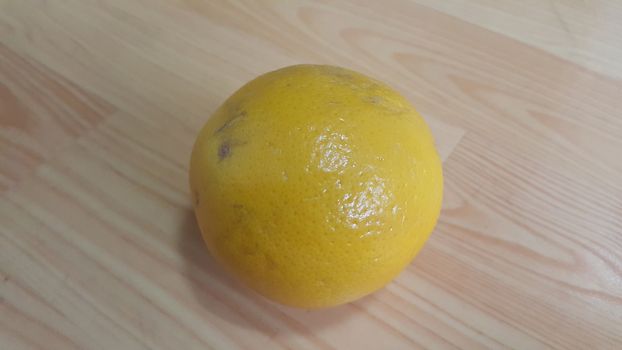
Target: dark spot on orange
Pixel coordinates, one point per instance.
(224, 150)
(229, 123)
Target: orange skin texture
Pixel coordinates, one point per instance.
(315, 185)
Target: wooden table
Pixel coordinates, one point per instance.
(100, 102)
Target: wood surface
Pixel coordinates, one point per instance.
(100, 102)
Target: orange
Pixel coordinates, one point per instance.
(315, 185)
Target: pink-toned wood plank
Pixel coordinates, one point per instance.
(40, 112)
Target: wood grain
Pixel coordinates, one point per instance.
(584, 32)
(100, 102)
(41, 112)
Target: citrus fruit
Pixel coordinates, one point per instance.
(315, 185)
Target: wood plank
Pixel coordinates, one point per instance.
(98, 246)
(584, 32)
(40, 112)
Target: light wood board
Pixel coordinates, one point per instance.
(100, 102)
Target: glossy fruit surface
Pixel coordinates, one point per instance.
(315, 185)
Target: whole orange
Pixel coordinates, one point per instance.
(315, 185)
